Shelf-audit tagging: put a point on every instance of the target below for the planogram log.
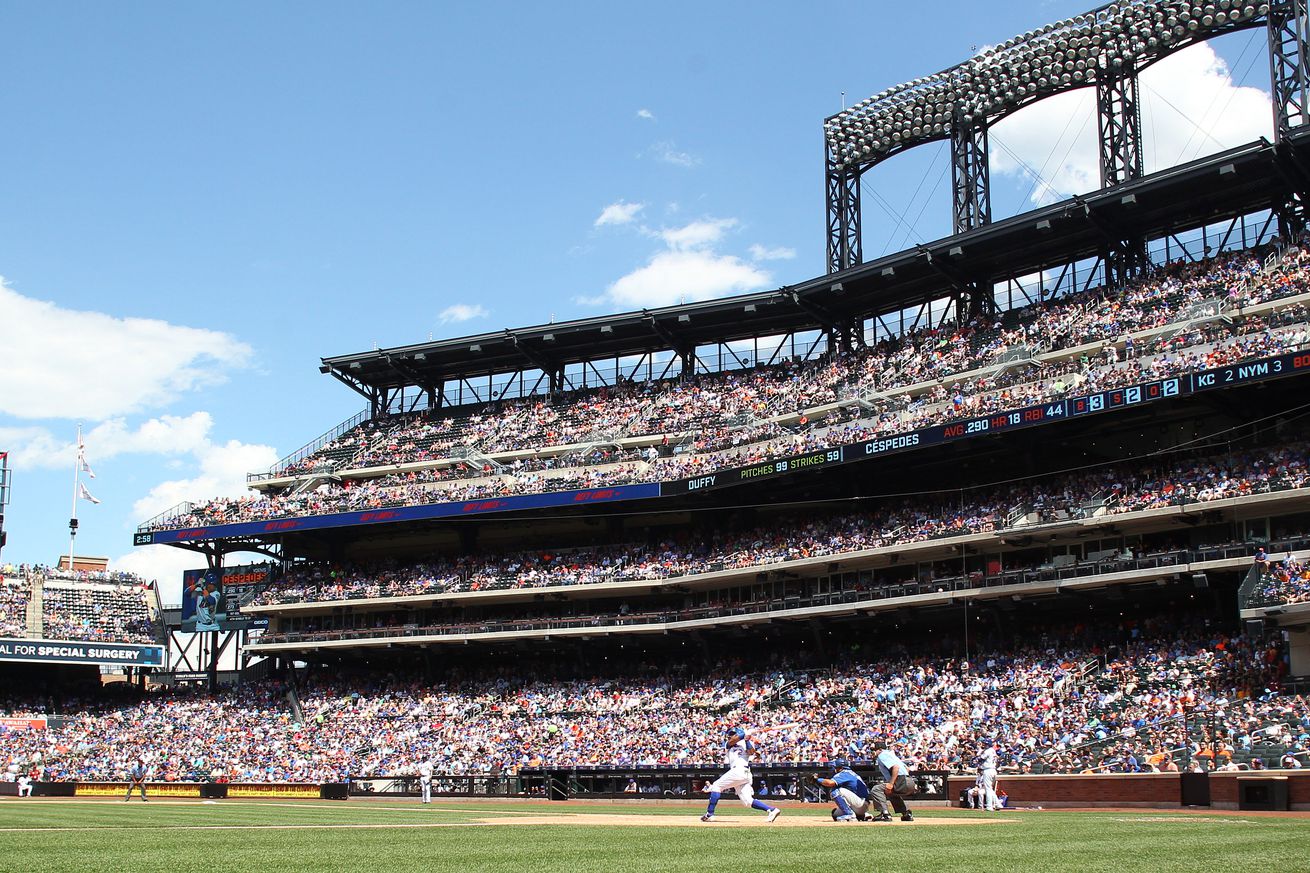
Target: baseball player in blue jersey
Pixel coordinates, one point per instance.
(894, 784)
(738, 777)
(848, 791)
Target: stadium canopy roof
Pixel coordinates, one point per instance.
(1236, 182)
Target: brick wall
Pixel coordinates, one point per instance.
(1223, 788)
(1144, 790)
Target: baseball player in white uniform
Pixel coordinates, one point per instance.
(987, 776)
(738, 777)
(425, 781)
(973, 798)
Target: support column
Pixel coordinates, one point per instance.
(214, 560)
(688, 357)
(973, 300)
(1119, 121)
(1289, 33)
(971, 186)
(843, 200)
(1289, 68)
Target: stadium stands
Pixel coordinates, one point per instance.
(94, 606)
(97, 611)
(1283, 580)
(1184, 319)
(1117, 490)
(14, 593)
(1079, 696)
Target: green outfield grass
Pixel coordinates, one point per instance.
(179, 837)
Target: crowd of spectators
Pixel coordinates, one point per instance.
(909, 376)
(712, 402)
(91, 605)
(116, 611)
(1064, 699)
(1113, 490)
(1285, 580)
(14, 594)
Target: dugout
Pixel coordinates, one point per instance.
(40, 789)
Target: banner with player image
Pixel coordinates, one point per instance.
(212, 599)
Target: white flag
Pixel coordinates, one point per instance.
(84, 494)
(86, 468)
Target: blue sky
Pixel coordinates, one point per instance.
(197, 201)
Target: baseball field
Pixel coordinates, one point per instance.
(172, 836)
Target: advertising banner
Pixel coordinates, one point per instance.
(73, 652)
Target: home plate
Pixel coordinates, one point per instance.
(783, 821)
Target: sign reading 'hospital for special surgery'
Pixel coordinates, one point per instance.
(73, 652)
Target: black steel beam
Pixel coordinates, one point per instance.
(971, 203)
(842, 195)
(1289, 67)
(1119, 120)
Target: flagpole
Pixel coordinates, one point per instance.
(77, 481)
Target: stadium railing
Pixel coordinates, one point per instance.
(1152, 565)
(278, 470)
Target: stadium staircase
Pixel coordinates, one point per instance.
(294, 700)
(1250, 593)
(35, 602)
(479, 460)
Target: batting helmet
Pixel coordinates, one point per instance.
(839, 764)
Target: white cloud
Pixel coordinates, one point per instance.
(457, 312)
(66, 363)
(668, 153)
(222, 473)
(646, 114)
(621, 212)
(38, 448)
(160, 564)
(778, 253)
(697, 234)
(674, 276)
(1190, 108)
(688, 268)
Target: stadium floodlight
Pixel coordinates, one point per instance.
(1117, 39)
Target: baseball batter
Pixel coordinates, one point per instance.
(738, 777)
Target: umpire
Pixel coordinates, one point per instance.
(137, 779)
(894, 784)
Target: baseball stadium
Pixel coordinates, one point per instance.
(992, 551)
